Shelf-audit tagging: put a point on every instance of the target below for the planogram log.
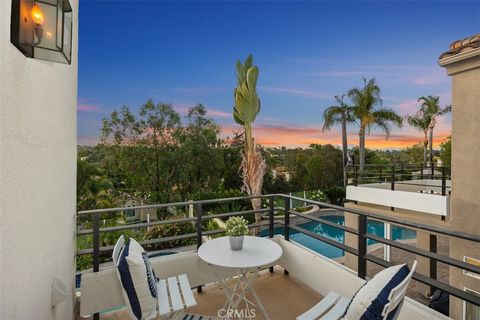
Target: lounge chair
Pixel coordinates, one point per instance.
(334, 307)
(173, 294)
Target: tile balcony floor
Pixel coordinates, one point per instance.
(283, 297)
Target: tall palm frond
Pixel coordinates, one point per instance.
(430, 105)
(335, 114)
(342, 113)
(384, 118)
(369, 112)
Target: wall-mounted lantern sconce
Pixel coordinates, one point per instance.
(42, 29)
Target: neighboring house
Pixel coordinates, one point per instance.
(131, 214)
(281, 171)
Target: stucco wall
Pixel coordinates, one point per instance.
(465, 200)
(37, 178)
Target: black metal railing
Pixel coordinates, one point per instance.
(268, 211)
(363, 256)
(403, 174)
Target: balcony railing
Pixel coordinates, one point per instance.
(268, 211)
(402, 174)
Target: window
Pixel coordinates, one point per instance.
(471, 311)
(475, 262)
(129, 213)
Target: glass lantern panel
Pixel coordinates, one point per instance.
(59, 24)
(46, 34)
(25, 25)
(67, 35)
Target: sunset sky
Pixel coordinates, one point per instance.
(184, 53)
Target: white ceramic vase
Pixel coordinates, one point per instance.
(236, 242)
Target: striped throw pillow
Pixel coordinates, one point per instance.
(371, 298)
(138, 280)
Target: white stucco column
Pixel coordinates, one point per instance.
(37, 178)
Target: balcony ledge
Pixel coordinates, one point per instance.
(317, 274)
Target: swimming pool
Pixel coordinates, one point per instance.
(374, 227)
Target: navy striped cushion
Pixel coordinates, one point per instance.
(370, 300)
(139, 285)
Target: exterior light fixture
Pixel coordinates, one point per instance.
(42, 29)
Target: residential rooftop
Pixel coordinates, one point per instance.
(462, 45)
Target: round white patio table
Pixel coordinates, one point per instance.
(256, 253)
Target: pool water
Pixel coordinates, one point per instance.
(374, 227)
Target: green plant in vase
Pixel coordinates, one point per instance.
(236, 229)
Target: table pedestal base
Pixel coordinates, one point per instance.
(238, 294)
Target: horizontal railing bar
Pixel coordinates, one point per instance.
(423, 185)
(174, 204)
(426, 253)
(325, 239)
(138, 225)
(166, 239)
(323, 221)
(414, 225)
(432, 283)
(212, 232)
(411, 184)
(144, 242)
(410, 165)
(250, 226)
(229, 214)
(175, 221)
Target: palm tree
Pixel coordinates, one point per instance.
(245, 110)
(341, 113)
(421, 121)
(431, 104)
(368, 111)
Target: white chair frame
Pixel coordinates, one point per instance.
(333, 306)
(173, 294)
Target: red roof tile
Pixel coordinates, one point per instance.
(463, 45)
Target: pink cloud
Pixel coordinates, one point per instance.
(83, 107)
(303, 136)
(211, 112)
(218, 113)
(87, 140)
(409, 106)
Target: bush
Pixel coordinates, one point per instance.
(317, 195)
(213, 225)
(170, 230)
(84, 262)
(336, 195)
(225, 207)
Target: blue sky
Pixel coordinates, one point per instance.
(185, 52)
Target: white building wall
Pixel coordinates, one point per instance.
(37, 178)
(421, 202)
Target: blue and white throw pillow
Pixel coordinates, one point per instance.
(138, 280)
(371, 298)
